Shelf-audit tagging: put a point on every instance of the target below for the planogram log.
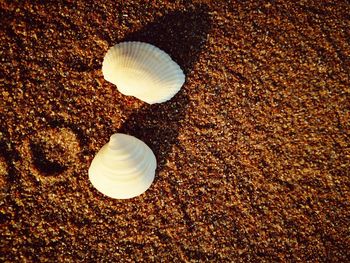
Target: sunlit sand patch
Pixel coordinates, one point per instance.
(3, 177)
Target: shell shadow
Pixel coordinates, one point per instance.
(182, 34)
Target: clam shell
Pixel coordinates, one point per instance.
(142, 70)
(123, 168)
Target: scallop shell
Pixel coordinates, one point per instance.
(142, 70)
(123, 168)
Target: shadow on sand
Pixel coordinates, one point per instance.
(182, 34)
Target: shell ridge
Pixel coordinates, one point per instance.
(139, 68)
(123, 178)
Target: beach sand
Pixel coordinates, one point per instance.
(253, 152)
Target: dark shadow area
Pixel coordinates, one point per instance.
(182, 34)
(42, 163)
(79, 64)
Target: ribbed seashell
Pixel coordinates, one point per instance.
(123, 168)
(142, 70)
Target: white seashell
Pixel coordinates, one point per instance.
(123, 168)
(142, 70)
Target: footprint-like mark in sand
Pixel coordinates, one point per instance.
(51, 155)
(46, 157)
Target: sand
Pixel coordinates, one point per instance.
(253, 152)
